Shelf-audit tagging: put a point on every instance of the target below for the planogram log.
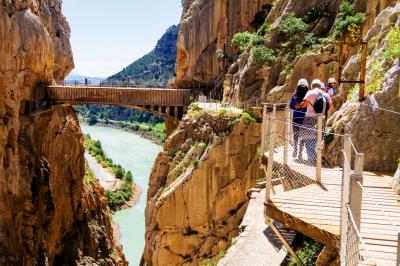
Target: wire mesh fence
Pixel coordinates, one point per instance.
(293, 154)
(293, 148)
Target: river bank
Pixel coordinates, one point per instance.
(145, 131)
(135, 154)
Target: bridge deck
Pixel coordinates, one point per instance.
(314, 210)
(165, 102)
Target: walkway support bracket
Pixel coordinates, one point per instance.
(270, 222)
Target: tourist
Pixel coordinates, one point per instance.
(331, 89)
(86, 81)
(317, 102)
(298, 114)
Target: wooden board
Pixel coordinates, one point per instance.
(319, 207)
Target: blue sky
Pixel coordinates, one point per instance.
(108, 35)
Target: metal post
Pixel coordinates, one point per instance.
(340, 62)
(356, 190)
(287, 136)
(347, 148)
(364, 51)
(263, 130)
(320, 147)
(272, 136)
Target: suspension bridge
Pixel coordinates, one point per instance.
(344, 207)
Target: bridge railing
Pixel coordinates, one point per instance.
(113, 83)
(294, 155)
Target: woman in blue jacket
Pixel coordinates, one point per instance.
(298, 114)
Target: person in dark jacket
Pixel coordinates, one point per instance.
(298, 114)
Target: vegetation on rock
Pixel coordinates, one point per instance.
(349, 21)
(306, 249)
(124, 193)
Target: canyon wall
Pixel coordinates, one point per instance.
(208, 25)
(48, 216)
(197, 193)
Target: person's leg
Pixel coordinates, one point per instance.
(310, 138)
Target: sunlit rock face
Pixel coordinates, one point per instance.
(197, 189)
(208, 25)
(47, 215)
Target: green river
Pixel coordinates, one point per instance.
(136, 154)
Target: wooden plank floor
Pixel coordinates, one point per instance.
(319, 206)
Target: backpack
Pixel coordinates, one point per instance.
(321, 105)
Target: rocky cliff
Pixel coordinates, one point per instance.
(207, 26)
(47, 215)
(299, 39)
(197, 194)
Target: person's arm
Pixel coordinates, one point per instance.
(302, 105)
(293, 103)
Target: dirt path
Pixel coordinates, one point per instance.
(257, 245)
(106, 179)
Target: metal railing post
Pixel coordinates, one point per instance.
(320, 147)
(264, 130)
(287, 136)
(356, 190)
(272, 136)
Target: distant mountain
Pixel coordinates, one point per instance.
(154, 69)
(158, 66)
(81, 79)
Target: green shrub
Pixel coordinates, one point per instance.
(264, 29)
(292, 27)
(222, 112)
(243, 40)
(220, 55)
(308, 254)
(232, 123)
(119, 172)
(194, 107)
(196, 162)
(128, 177)
(392, 46)
(349, 21)
(376, 77)
(120, 196)
(248, 118)
(92, 120)
(263, 55)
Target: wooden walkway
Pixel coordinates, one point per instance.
(165, 102)
(314, 209)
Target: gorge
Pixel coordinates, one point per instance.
(198, 189)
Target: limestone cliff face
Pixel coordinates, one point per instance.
(246, 80)
(47, 215)
(208, 25)
(197, 194)
(375, 130)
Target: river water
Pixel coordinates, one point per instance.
(136, 154)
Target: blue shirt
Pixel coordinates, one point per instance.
(298, 114)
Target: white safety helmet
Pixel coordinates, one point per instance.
(332, 81)
(302, 83)
(316, 82)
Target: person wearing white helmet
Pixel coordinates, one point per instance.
(298, 114)
(317, 102)
(331, 89)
